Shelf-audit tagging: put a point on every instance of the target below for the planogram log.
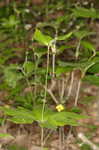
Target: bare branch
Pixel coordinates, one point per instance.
(86, 141)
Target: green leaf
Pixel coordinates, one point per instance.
(85, 13)
(65, 118)
(61, 70)
(76, 109)
(12, 76)
(45, 148)
(88, 45)
(88, 99)
(37, 113)
(61, 119)
(53, 119)
(82, 34)
(60, 19)
(42, 38)
(79, 65)
(10, 22)
(65, 37)
(28, 67)
(70, 115)
(96, 59)
(49, 124)
(64, 47)
(92, 79)
(19, 115)
(15, 147)
(48, 119)
(3, 135)
(21, 120)
(94, 69)
(39, 51)
(85, 147)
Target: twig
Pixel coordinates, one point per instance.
(53, 65)
(62, 90)
(53, 83)
(86, 141)
(48, 135)
(77, 49)
(77, 93)
(51, 94)
(71, 84)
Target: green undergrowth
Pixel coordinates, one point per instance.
(38, 50)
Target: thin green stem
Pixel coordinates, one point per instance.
(44, 101)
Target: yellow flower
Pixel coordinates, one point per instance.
(60, 107)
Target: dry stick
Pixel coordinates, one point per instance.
(53, 48)
(66, 81)
(86, 141)
(48, 135)
(62, 90)
(77, 93)
(59, 87)
(51, 94)
(53, 83)
(77, 49)
(79, 83)
(71, 84)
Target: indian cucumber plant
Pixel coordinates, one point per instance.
(39, 61)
